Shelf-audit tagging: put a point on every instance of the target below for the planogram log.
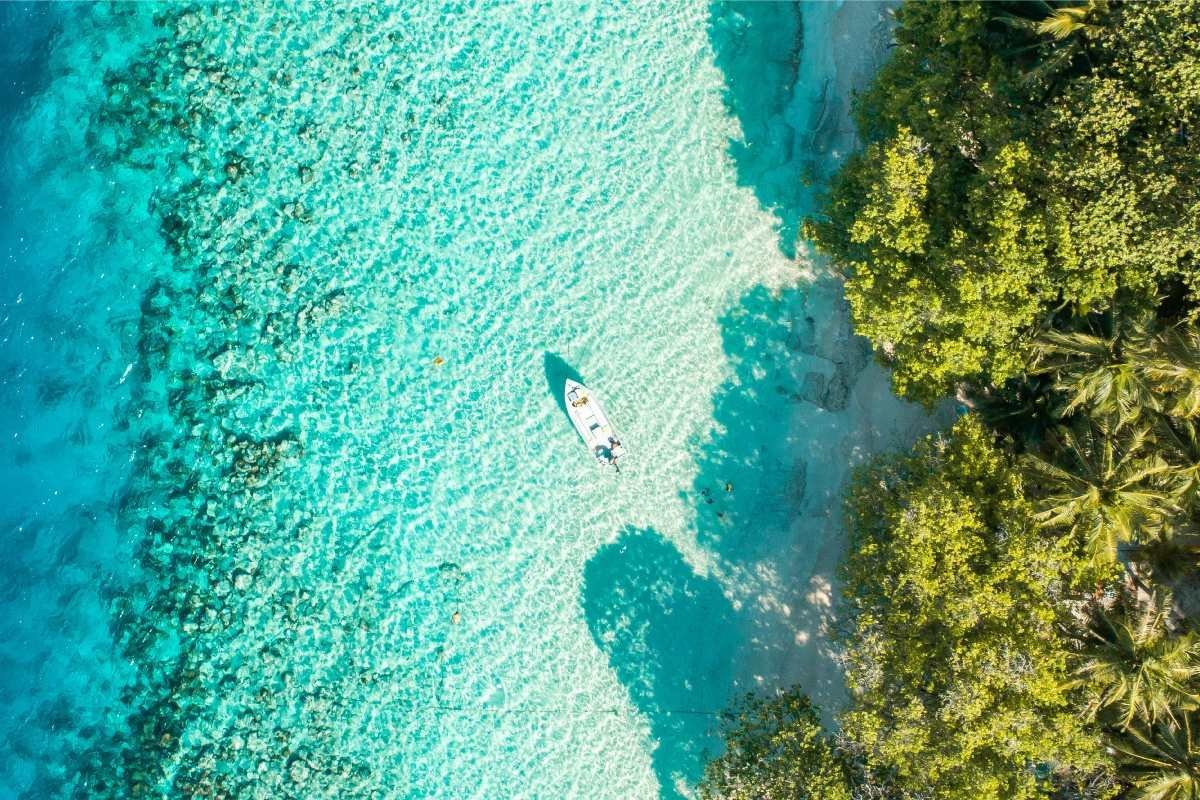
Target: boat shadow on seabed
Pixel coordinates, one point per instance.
(558, 372)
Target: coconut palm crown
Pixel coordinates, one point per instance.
(1138, 669)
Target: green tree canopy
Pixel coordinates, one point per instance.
(775, 749)
(955, 660)
(992, 191)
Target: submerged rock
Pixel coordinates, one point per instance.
(813, 388)
(837, 393)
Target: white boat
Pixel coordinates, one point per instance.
(592, 423)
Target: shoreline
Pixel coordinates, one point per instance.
(856, 416)
(380, 586)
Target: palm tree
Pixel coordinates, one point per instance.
(1102, 373)
(1025, 408)
(1161, 760)
(1175, 553)
(1177, 439)
(1126, 372)
(1066, 21)
(1061, 24)
(1111, 493)
(1141, 671)
(1172, 365)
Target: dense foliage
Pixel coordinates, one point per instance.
(1122, 467)
(776, 750)
(1009, 174)
(957, 667)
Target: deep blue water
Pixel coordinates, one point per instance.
(69, 294)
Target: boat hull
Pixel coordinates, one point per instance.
(592, 422)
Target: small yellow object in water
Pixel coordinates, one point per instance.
(729, 487)
(455, 618)
(438, 361)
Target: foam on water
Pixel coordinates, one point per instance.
(374, 558)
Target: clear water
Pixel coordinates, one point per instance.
(288, 297)
(76, 246)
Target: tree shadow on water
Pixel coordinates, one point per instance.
(668, 634)
(757, 47)
(681, 642)
(751, 475)
(769, 475)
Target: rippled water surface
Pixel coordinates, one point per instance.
(288, 298)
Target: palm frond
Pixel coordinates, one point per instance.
(1138, 671)
(1160, 760)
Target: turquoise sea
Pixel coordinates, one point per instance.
(289, 502)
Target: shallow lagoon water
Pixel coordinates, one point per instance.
(332, 262)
